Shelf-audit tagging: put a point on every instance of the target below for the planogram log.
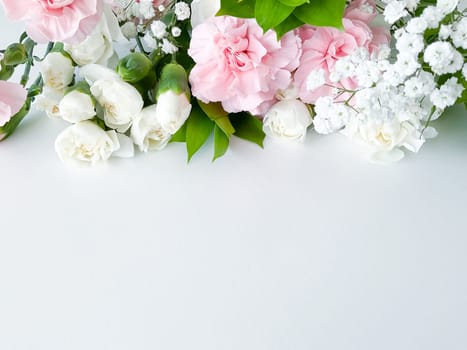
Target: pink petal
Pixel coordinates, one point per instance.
(12, 98)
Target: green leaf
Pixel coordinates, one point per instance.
(180, 135)
(217, 114)
(198, 129)
(248, 128)
(294, 3)
(269, 13)
(286, 26)
(221, 143)
(237, 8)
(322, 13)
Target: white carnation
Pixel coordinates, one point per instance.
(57, 70)
(76, 106)
(48, 101)
(86, 143)
(147, 132)
(121, 102)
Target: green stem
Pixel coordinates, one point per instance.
(27, 69)
(140, 45)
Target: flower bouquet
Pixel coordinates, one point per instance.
(147, 73)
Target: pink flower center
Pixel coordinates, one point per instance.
(55, 4)
(235, 59)
(336, 50)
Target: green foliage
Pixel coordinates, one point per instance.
(206, 118)
(248, 128)
(322, 13)
(180, 135)
(221, 143)
(237, 8)
(270, 13)
(217, 114)
(285, 15)
(198, 129)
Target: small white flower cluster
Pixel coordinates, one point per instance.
(150, 18)
(393, 101)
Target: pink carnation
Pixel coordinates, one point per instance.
(239, 66)
(69, 21)
(323, 46)
(12, 98)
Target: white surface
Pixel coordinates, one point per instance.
(294, 247)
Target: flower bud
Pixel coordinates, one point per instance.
(6, 71)
(134, 67)
(174, 78)
(15, 54)
(173, 98)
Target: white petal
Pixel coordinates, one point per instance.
(127, 149)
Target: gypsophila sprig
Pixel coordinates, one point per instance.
(151, 73)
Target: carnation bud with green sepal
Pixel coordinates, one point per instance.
(15, 54)
(173, 98)
(134, 67)
(6, 71)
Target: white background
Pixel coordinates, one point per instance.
(294, 247)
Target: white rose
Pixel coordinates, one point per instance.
(201, 10)
(57, 70)
(287, 120)
(121, 102)
(172, 110)
(86, 143)
(48, 101)
(146, 131)
(97, 47)
(76, 106)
